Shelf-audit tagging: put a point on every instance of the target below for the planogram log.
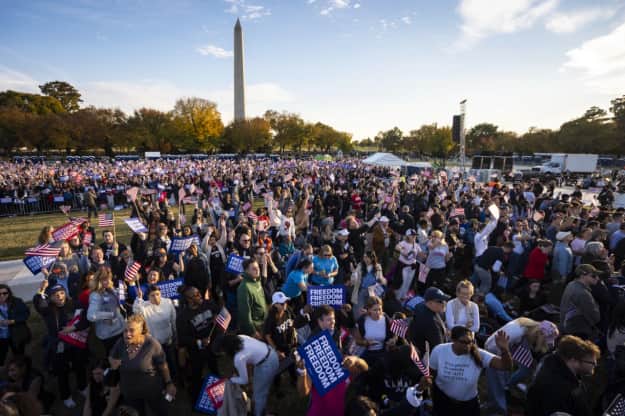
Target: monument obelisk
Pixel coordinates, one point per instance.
(239, 74)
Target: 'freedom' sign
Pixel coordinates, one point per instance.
(234, 264)
(169, 288)
(323, 362)
(335, 295)
(204, 403)
(180, 244)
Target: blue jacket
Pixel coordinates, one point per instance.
(562, 259)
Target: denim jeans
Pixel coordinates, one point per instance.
(499, 381)
(263, 379)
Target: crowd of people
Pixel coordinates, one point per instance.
(446, 279)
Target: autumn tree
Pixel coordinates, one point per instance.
(200, 123)
(247, 136)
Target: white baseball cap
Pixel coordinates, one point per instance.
(279, 297)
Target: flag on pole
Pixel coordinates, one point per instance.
(105, 219)
(132, 269)
(617, 407)
(399, 327)
(222, 320)
(65, 208)
(43, 250)
(181, 194)
(132, 193)
(414, 356)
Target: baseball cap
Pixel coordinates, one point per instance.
(586, 269)
(561, 235)
(54, 289)
(279, 297)
(384, 219)
(434, 293)
(343, 232)
(412, 397)
(411, 231)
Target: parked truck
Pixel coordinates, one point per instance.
(570, 164)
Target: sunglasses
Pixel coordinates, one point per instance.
(245, 240)
(466, 341)
(4, 293)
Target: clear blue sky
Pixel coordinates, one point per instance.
(359, 65)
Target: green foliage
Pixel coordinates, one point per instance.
(30, 103)
(390, 140)
(247, 136)
(65, 93)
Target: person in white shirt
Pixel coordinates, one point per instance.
(246, 351)
(409, 252)
(481, 238)
(456, 369)
(537, 337)
(160, 316)
(461, 310)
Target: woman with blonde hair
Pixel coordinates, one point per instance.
(366, 278)
(537, 338)
(45, 236)
(438, 256)
(326, 267)
(461, 310)
(104, 310)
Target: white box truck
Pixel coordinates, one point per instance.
(572, 163)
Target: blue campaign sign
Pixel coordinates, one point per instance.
(36, 263)
(323, 362)
(335, 295)
(204, 404)
(234, 264)
(169, 288)
(180, 244)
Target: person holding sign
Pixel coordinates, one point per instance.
(246, 351)
(326, 267)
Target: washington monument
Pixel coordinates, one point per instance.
(239, 75)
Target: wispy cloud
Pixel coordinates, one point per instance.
(575, 20)
(600, 61)
(407, 20)
(357, 6)
(214, 51)
(332, 5)
(17, 81)
(246, 10)
(483, 18)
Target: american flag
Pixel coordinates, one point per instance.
(65, 208)
(77, 220)
(414, 356)
(105, 220)
(423, 272)
(458, 212)
(617, 407)
(399, 327)
(522, 355)
(252, 216)
(132, 269)
(43, 250)
(223, 319)
(64, 232)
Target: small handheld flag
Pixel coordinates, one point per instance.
(105, 220)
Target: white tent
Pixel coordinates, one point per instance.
(384, 159)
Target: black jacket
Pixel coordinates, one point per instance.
(557, 389)
(426, 326)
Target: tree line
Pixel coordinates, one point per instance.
(55, 121)
(596, 131)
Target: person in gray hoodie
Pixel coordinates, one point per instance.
(579, 312)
